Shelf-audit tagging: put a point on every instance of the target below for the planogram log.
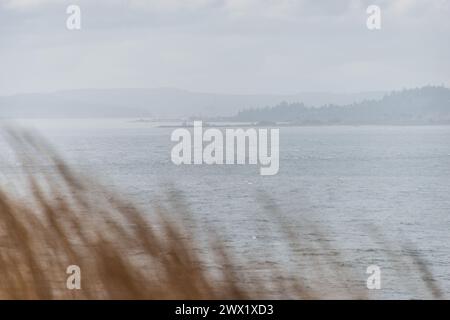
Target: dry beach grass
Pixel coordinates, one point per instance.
(123, 252)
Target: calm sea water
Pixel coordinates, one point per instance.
(353, 196)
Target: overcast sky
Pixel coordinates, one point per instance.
(226, 46)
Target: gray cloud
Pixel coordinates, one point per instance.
(235, 46)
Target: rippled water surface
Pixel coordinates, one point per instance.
(354, 196)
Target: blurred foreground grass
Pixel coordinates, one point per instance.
(123, 252)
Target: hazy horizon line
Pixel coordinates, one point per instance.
(169, 88)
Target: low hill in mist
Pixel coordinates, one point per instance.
(427, 105)
(153, 103)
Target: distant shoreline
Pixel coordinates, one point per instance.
(288, 125)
